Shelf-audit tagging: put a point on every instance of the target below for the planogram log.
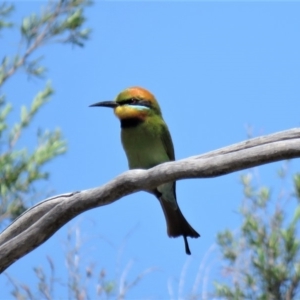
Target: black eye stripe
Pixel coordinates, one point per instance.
(129, 101)
(136, 101)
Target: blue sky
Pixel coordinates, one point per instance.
(215, 67)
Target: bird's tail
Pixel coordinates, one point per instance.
(176, 223)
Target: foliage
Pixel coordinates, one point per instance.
(84, 281)
(59, 22)
(262, 259)
(5, 11)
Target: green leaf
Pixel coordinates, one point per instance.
(5, 11)
(297, 185)
(24, 116)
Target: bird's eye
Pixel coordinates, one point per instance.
(134, 100)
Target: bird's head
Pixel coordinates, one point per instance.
(133, 103)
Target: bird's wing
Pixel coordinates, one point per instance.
(167, 142)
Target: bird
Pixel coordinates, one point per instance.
(147, 143)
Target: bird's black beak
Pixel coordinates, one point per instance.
(111, 104)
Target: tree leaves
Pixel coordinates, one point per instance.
(59, 22)
(264, 254)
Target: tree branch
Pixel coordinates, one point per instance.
(40, 222)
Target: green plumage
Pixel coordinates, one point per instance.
(147, 142)
(150, 136)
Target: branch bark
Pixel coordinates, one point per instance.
(40, 222)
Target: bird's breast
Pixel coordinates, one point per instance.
(143, 146)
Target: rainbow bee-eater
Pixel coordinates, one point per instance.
(147, 142)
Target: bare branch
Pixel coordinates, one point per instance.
(40, 222)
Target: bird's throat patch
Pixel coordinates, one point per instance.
(130, 122)
(131, 111)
